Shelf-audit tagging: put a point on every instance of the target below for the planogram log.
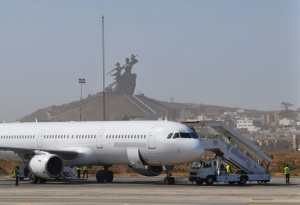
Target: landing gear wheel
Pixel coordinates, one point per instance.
(169, 180)
(38, 180)
(199, 181)
(35, 180)
(43, 181)
(209, 180)
(243, 180)
(104, 176)
(100, 176)
(109, 176)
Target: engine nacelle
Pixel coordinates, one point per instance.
(139, 165)
(149, 171)
(46, 165)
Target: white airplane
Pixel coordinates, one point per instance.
(148, 147)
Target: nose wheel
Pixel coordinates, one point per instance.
(169, 179)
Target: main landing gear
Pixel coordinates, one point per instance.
(104, 176)
(38, 180)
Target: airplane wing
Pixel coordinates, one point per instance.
(64, 154)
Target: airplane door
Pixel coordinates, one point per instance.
(152, 140)
(100, 141)
(38, 139)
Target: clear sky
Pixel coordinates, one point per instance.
(224, 52)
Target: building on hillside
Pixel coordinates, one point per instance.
(271, 119)
(246, 124)
(285, 122)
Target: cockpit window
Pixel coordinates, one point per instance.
(170, 136)
(194, 135)
(176, 135)
(185, 135)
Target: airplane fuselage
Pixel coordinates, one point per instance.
(105, 143)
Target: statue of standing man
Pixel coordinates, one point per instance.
(129, 63)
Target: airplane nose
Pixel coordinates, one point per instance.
(197, 149)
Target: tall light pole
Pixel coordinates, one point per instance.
(82, 82)
(103, 71)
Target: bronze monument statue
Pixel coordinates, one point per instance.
(124, 81)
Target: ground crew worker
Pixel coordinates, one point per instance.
(17, 175)
(78, 170)
(286, 171)
(85, 173)
(228, 169)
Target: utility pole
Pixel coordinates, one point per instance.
(82, 82)
(103, 72)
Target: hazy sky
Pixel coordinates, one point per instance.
(224, 52)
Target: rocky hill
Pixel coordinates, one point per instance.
(122, 107)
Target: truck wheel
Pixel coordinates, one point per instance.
(209, 180)
(243, 180)
(231, 183)
(199, 181)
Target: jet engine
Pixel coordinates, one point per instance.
(46, 165)
(149, 171)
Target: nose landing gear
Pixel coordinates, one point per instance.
(169, 179)
(104, 176)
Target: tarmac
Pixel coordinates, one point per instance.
(144, 190)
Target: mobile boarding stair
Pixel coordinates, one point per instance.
(233, 149)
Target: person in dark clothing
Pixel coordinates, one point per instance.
(85, 173)
(78, 169)
(17, 175)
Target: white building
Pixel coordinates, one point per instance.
(247, 124)
(286, 122)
